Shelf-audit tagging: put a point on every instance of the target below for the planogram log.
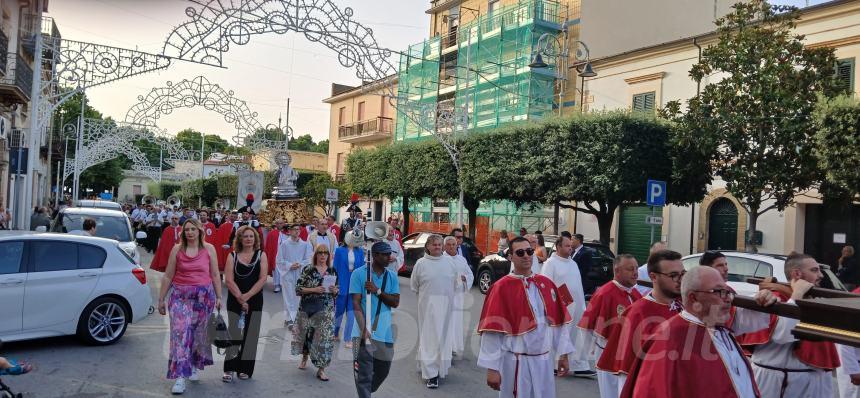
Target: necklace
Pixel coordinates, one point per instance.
(252, 266)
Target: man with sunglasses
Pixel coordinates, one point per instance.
(694, 354)
(783, 365)
(523, 320)
(641, 318)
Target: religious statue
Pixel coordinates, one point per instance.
(286, 176)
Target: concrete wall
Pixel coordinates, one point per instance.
(615, 26)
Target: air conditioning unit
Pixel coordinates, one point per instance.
(5, 127)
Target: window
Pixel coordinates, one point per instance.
(110, 227)
(47, 256)
(691, 262)
(341, 163)
(492, 6)
(383, 112)
(361, 111)
(136, 190)
(644, 102)
(341, 115)
(845, 74)
(742, 268)
(421, 239)
(90, 257)
(10, 257)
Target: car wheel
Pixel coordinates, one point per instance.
(103, 322)
(485, 280)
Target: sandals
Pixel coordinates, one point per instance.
(321, 375)
(304, 364)
(244, 376)
(227, 378)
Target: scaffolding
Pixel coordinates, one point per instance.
(482, 66)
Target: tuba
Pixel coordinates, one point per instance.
(219, 204)
(148, 200)
(174, 201)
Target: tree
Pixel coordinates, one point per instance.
(837, 124)
(757, 120)
(600, 161)
(314, 191)
(190, 139)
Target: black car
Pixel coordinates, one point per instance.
(413, 246)
(494, 267)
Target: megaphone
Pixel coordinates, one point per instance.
(376, 230)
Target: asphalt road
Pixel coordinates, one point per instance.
(136, 366)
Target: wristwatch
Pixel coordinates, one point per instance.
(378, 292)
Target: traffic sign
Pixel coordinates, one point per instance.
(655, 193)
(653, 220)
(331, 195)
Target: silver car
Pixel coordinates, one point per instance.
(110, 224)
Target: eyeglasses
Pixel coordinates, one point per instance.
(326, 253)
(722, 293)
(675, 276)
(522, 252)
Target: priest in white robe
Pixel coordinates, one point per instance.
(563, 271)
(848, 375)
(463, 284)
(522, 321)
(434, 279)
(293, 255)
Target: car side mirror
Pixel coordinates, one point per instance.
(140, 235)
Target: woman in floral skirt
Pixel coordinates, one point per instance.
(193, 284)
(314, 332)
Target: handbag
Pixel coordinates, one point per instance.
(217, 331)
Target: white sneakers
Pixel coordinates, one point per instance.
(179, 386)
(195, 376)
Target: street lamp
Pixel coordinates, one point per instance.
(584, 68)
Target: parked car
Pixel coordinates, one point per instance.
(101, 204)
(758, 265)
(55, 285)
(413, 246)
(110, 224)
(495, 266)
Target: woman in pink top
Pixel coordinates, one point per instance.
(193, 282)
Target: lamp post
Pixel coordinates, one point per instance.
(583, 67)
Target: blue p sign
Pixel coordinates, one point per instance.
(655, 193)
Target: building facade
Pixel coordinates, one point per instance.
(646, 78)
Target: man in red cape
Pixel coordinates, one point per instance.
(693, 354)
(785, 366)
(169, 237)
(641, 318)
(224, 245)
(209, 230)
(273, 238)
(604, 313)
(523, 322)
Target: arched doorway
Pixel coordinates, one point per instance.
(723, 225)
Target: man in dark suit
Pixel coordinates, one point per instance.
(462, 249)
(582, 257)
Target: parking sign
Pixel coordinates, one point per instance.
(655, 193)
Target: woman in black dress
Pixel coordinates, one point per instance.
(245, 275)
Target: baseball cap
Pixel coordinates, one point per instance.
(381, 247)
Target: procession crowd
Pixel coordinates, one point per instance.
(682, 337)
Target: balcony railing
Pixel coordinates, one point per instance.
(366, 130)
(4, 51)
(18, 81)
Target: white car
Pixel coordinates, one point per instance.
(57, 284)
(111, 224)
(744, 265)
(101, 204)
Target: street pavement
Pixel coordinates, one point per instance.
(136, 366)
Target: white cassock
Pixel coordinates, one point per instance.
(779, 353)
(289, 253)
(462, 288)
(434, 279)
(564, 271)
(535, 363)
(643, 276)
(850, 358)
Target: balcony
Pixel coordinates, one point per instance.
(440, 5)
(4, 52)
(17, 83)
(366, 130)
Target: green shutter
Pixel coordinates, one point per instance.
(644, 102)
(845, 74)
(634, 236)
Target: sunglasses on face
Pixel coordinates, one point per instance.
(523, 252)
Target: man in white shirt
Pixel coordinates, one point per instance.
(848, 375)
(461, 288)
(643, 269)
(293, 255)
(397, 255)
(321, 235)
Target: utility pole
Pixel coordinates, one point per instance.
(202, 158)
(79, 145)
(35, 134)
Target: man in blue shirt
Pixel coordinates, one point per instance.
(373, 353)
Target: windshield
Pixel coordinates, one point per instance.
(111, 227)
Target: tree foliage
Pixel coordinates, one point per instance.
(756, 121)
(837, 122)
